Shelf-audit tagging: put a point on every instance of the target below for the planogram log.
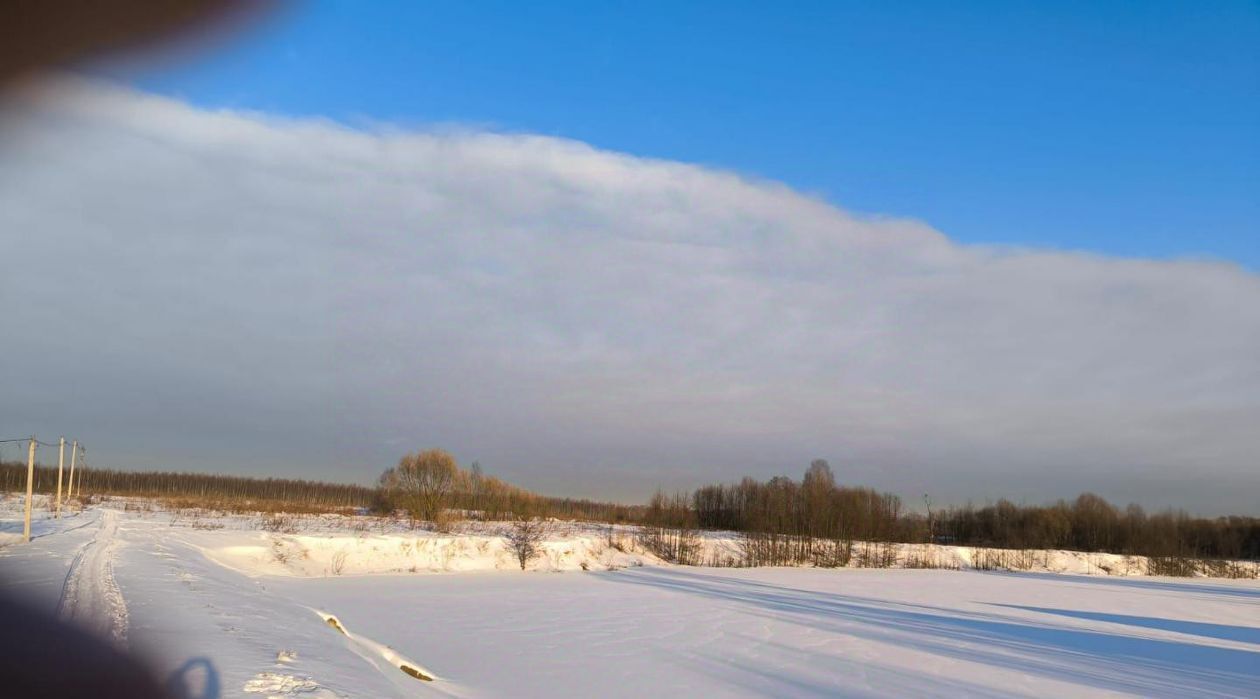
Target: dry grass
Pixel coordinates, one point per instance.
(246, 506)
(928, 558)
(339, 562)
(278, 524)
(876, 554)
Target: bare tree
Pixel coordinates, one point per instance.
(476, 489)
(422, 483)
(524, 538)
(669, 529)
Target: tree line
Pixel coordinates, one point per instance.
(797, 519)
(814, 521)
(1090, 523)
(431, 486)
(450, 492)
(782, 520)
(814, 507)
(208, 488)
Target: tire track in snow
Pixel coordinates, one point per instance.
(90, 597)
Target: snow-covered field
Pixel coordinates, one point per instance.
(330, 608)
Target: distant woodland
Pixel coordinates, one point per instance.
(785, 520)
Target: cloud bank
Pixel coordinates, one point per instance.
(200, 289)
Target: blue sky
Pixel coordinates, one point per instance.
(1122, 128)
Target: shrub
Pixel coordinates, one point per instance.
(524, 539)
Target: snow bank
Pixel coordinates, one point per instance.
(590, 548)
(321, 555)
(338, 545)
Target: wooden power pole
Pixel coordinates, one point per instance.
(61, 464)
(74, 456)
(30, 489)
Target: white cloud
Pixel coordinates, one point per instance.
(216, 289)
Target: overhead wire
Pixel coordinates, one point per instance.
(37, 441)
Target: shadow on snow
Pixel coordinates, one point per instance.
(1224, 632)
(1094, 658)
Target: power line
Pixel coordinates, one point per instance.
(32, 442)
(39, 442)
(30, 439)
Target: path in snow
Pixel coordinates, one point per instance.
(91, 598)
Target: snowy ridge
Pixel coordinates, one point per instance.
(313, 546)
(590, 548)
(322, 555)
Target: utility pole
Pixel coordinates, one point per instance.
(931, 531)
(30, 489)
(61, 463)
(74, 455)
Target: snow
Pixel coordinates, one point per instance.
(321, 546)
(91, 597)
(210, 602)
(305, 555)
(791, 632)
(274, 684)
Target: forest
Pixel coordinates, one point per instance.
(467, 493)
(814, 519)
(816, 507)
